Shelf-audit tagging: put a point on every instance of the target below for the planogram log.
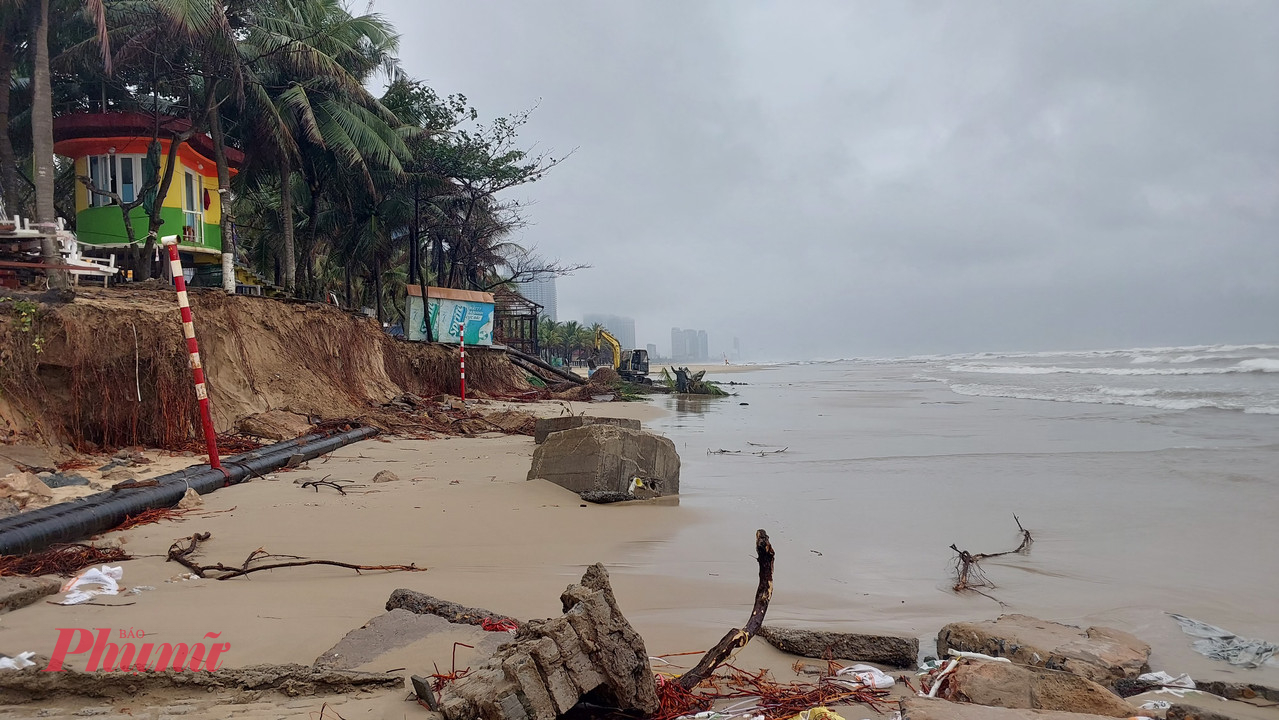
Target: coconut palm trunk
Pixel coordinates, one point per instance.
(286, 219)
(8, 159)
(42, 149)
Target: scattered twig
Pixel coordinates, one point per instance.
(182, 555)
(147, 517)
(64, 560)
(760, 453)
(335, 484)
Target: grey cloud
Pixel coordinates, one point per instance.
(838, 179)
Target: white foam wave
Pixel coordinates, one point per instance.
(1264, 365)
(1110, 396)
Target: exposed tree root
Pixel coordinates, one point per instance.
(968, 572)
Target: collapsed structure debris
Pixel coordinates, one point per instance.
(182, 555)
(552, 664)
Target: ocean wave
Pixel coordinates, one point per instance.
(1112, 396)
(1258, 365)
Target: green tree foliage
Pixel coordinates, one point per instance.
(344, 192)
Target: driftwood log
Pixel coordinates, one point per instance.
(738, 638)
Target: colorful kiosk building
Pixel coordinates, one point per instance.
(111, 150)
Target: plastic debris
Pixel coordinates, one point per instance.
(822, 713)
(22, 661)
(1162, 678)
(78, 588)
(1155, 705)
(975, 656)
(857, 677)
(1220, 644)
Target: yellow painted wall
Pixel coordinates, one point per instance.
(173, 199)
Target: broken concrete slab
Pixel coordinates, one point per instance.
(1240, 691)
(396, 629)
(18, 592)
(32, 684)
(1103, 655)
(1004, 684)
(552, 663)
(546, 426)
(932, 709)
(607, 457)
(423, 604)
(894, 651)
(57, 480)
(24, 488)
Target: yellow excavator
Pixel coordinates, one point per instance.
(631, 365)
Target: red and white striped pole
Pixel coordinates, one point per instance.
(461, 340)
(188, 329)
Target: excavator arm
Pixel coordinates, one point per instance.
(603, 335)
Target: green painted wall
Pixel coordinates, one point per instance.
(105, 226)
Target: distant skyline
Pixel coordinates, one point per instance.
(838, 179)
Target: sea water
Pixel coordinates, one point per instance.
(1149, 479)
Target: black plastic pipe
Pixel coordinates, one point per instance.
(86, 516)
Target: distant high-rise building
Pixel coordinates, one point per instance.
(703, 346)
(541, 292)
(652, 350)
(737, 349)
(679, 349)
(691, 348)
(622, 328)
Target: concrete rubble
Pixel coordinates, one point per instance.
(423, 604)
(1004, 684)
(607, 457)
(17, 592)
(24, 488)
(901, 652)
(32, 684)
(552, 664)
(1103, 655)
(190, 500)
(546, 426)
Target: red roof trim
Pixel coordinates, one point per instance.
(138, 125)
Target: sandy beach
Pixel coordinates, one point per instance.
(462, 509)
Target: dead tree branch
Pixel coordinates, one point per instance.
(182, 555)
(968, 573)
(738, 638)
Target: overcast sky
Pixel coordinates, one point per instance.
(838, 179)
